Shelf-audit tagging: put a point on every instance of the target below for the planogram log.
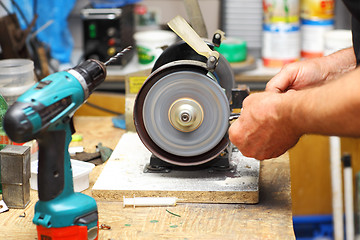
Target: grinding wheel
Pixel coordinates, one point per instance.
(214, 113)
(181, 114)
(182, 51)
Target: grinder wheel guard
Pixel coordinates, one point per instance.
(181, 114)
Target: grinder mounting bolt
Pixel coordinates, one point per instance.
(185, 116)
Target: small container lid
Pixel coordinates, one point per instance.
(233, 49)
(16, 66)
(155, 36)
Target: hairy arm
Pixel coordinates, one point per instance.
(312, 72)
(332, 109)
(272, 122)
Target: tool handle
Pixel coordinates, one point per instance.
(54, 168)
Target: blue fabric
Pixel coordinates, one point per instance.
(119, 122)
(57, 36)
(112, 3)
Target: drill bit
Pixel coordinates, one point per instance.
(119, 54)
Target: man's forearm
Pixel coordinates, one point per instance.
(331, 109)
(338, 63)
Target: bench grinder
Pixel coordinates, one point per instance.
(181, 113)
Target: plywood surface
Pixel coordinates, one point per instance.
(124, 176)
(271, 218)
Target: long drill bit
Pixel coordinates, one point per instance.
(118, 55)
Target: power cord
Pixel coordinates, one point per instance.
(103, 109)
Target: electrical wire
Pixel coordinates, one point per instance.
(102, 108)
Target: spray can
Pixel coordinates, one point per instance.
(281, 44)
(313, 37)
(317, 18)
(281, 11)
(317, 9)
(281, 32)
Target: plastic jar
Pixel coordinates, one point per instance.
(149, 43)
(336, 40)
(16, 76)
(233, 49)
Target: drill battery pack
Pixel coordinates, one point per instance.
(64, 233)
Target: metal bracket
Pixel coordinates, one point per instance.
(218, 37)
(238, 96)
(220, 163)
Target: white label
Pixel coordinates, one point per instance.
(281, 43)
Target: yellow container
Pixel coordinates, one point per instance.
(281, 11)
(317, 9)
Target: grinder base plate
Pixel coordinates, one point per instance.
(123, 176)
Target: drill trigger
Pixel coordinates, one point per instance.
(72, 127)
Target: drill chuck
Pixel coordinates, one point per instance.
(90, 73)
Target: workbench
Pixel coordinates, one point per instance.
(271, 218)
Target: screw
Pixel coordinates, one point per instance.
(185, 117)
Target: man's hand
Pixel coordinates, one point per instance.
(273, 121)
(312, 72)
(298, 75)
(264, 129)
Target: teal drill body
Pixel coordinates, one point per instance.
(45, 113)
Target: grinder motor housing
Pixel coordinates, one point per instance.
(181, 113)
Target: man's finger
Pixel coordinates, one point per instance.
(277, 84)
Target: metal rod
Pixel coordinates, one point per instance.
(348, 197)
(196, 18)
(42, 28)
(118, 55)
(336, 183)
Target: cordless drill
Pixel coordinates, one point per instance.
(44, 113)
